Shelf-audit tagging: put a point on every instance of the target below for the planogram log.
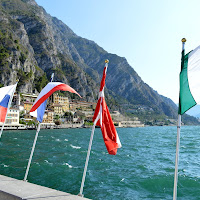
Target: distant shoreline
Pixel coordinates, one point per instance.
(60, 127)
(73, 126)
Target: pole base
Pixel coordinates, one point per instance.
(80, 195)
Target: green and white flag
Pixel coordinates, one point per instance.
(189, 80)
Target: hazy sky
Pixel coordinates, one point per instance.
(147, 33)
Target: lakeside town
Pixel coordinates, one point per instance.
(61, 112)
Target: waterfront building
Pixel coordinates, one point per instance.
(89, 118)
(24, 101)
(115, 113)
(12, 120)
(81, 105)
(27, 118)
(133, 123)
(27, 106)
(12, 116)
(63, 101)
(27, 97)
(57, 109)
(48, 117)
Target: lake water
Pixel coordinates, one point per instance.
(142, 169)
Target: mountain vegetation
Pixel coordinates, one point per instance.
(34, 44)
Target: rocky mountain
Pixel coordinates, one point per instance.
(33, 45)
(194, 111)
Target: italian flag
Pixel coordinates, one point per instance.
(189, 80)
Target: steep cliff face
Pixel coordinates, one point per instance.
(44, 49)
(34, 44)
(121, 78)
(16, 55)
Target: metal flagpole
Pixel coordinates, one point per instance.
(177, 144)
(89, 149)
(87, 158)
(34, 143)
(9, 103)
(32, 151)
(177, 157)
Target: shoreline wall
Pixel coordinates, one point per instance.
(13, 189)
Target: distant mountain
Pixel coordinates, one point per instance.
(33, 45)
(194, 111)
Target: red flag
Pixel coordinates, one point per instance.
(103, 119)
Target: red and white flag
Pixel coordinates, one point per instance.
(39, 106)
(103, 119)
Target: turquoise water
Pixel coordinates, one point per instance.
(142, 169)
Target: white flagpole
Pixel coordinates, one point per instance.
(177, 157)
(87, 160)
(32, 151)
(177, 144)
(89, 148)
(9, 104)
(34, 143)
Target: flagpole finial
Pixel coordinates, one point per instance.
(106, 61)
(183, 40)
